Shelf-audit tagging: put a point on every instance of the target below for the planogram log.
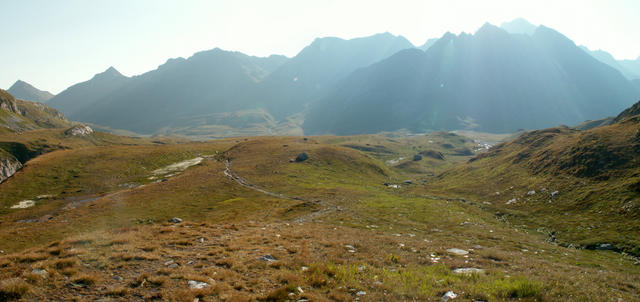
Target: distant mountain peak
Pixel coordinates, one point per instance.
(25, 91)
(489, 29)
(519, 26)
(111, 72)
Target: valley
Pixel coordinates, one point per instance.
(262, 151)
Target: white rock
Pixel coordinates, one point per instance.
(197, 285)
(24, 204)
(456, 251)
(361, 293)
(79, 130)
(468, 270)
(449, 295)
(532, 192)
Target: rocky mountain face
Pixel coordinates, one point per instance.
(9, 165)
(25, 91)
(490, 81)
(18, 115)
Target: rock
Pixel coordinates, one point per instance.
(173, 265)
(417, 157)
(510, 201)
(468, 271)
(604, 247)
(302, 157)
(9, 165)
(24, 204)
(408, 182)
(197, 285)
(40, 272)
(554, 194)
(175, 220)
(456, 251)
(532, 192)
(449, 296)
(361, 293)
(79, 130)
(268, 258)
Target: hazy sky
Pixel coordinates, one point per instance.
(54, 44)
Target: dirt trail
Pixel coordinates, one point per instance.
(326, 207)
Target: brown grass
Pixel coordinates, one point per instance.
(13, 289)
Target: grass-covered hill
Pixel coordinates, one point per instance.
(260, 225)
(582, 188)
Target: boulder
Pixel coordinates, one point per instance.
(79, 130)
(302, 157)
(417, 157)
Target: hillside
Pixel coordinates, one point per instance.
(18, 115)
(24, 91)
(579, 187)
(490, 81)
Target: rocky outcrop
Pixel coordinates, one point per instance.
(9, 165)
(79, 130)
(7, 102)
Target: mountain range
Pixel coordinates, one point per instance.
(490, 81)
(498, 80)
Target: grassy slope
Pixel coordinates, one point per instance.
(595, 173)
(394, 232)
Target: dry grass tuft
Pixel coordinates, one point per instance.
(13, 289)
(86, 279)
(33, 257)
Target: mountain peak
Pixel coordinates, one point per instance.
(25, 91)
(111, 72)
(489, 29)
(519, 26)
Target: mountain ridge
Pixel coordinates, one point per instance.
(25, 91)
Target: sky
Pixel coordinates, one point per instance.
(55, 44)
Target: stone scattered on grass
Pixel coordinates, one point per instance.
(468, 271)
(532, 192)
(175, 220)
(197, 285)
(302, 157)
(268, 258)
(24, 204)
(456, 251)
(40, 272)
(361, 293)
(449, 296)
